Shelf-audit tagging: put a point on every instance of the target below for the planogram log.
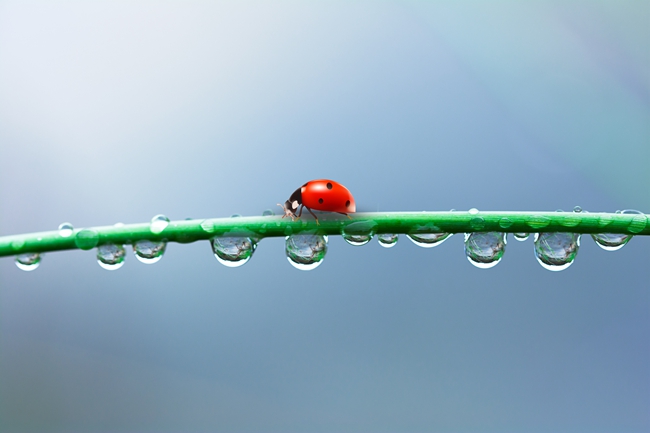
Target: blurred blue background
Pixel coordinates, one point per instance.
(116, 111)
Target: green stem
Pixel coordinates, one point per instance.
(332, 224)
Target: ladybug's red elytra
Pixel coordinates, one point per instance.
(321, 194)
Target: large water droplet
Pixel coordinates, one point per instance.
(28, 262)
(358, 233)
(305, 252)
(65, 230)
(521, 236)
(158, 224)
(485, 249)
(111, 256)
(538, 221)
(86, 239)
(387, 240)
(233, 251)
(611, 241)
(149, 252)
(556, 251)
(428, 240)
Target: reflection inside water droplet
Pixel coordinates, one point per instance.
(158, 223)
(521, 236)
(28, 261)
(65, 230)
(387, 240)
(611, 241)
(149, 252)
(428, 240)
(577, 209)
(556, 251)
(111, 256)
(233, 251)
(306, 251)
(358, 233)
(485, 250)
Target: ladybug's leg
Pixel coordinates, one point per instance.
(347, 215)
(300, 213)
(313, 215)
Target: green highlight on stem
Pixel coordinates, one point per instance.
(160, 229)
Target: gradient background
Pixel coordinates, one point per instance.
(116, 111)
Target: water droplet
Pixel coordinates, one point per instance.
(604, 220)
(538, 221)
(477, 223)
(485, 250)
(118, 225)
(233, 251)
(28, 262)
(473, 211)
(611, 241)
(111, 256)
(521, 236)
(556, 251)
(65, 230)
(235, 215)
(387, 240)
(158, 224)
(428, 240)
(268, 212)
(305, 252)
(86, 239)
(577, 209)
(358, 233)
(208, 226)
(17, 244)
(638, 222)
(570, 219)
(505, 222)
(149, 252)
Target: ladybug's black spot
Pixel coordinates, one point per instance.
(347, 203)
(329, 185)
(320, 200)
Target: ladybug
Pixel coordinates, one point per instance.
(321, 194)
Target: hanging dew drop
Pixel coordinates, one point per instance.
(387, 240)
(611, 241)
(158, 224)
(305, 252)
(556, 251)
(428, 240)
(485, 249)
(28, 262)
(111, 256)
(65, 230)
(358, 233)
(233, 251)
(521, 236)
(149, 252)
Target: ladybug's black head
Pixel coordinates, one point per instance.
(291, 206)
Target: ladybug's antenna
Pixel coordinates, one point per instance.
(287, 212)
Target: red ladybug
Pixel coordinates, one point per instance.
(321, 194)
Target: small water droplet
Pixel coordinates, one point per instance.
(358, 233)
(505, 222)
(570, 219)
(305, 252)
(611, 241)
(638, 222)
(387, 240)
(556, 251)
(17, 244)
(149, 252)
(521, 236)
(235, 215)
(477, 223)
(111, 256)
(86, 239)
(538, 221)
(485, 249)
(473, 211)
(604, 220)
(577, 209)
(207, 226)
(65, 230)
(28, 262)
(268, 212)
(233, 251)
(158, 224)
(118, 225)
(428, 240)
